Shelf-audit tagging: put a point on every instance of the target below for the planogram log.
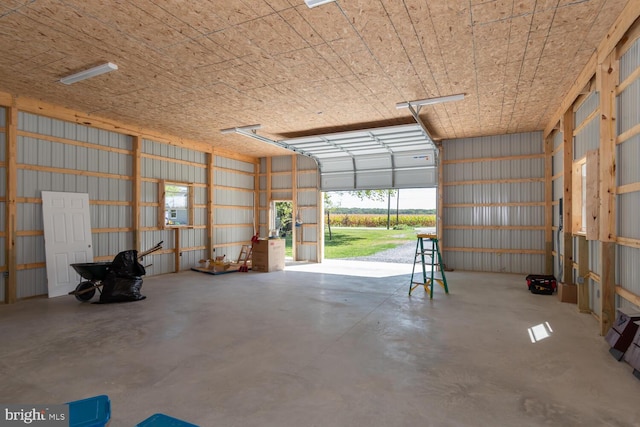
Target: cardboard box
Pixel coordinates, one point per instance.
(568, 293)
(268, 255)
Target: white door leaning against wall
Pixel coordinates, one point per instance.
(67, 237)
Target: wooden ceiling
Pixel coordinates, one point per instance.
(191, 68)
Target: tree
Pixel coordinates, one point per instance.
(328, 205)
(375, 195)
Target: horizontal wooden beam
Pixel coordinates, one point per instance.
(595, 277)
(628, 188)
(594, 114)
(628, 295)
(233, 207)
(628, 134)
(234, 171)
(31, 266)
(626, 241)
(73, 142)
(172, 160)
(73, 172)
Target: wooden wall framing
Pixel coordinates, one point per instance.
(604, 65)
(134, 203)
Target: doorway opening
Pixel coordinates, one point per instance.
(282, 224)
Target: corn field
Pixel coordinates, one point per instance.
(373, 220)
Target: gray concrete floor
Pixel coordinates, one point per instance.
(305, 348)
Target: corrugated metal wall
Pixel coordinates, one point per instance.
(510, 193)
(175, 164)
(307, 196)
(54, 155)
(234, 222)
(3, 195)
(628, 172)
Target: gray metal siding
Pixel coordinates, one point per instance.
(38, 151)
(494, 193)
(494, 146)
(586, 108)
(628, 161)
(587, 139)
(628, 108)
(628, 172)
(239, 165)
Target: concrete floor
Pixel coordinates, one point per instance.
(305, 348)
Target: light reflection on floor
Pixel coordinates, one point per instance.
(352, 268)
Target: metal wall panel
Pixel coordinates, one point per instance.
(228, 197)
(494, 193)
(30, 249)
(628, 108)
(587, 107)
(225, 235)
(557, 163)
(226, 178)
(587, 139)
(52, 127)
(628, 224)
(499, 263)
(628, 159)
(494, 146)
(308, 180)
(557, 139)
(263, 165)
(161, 264)
(108, 244)
(495, 216)
(263, 183)
(281, 182)
(309, 216)
(306, 163)
(32, 282)
(307, 253)
(281, 164)
(630, 61)
(239, 165)
(192, 259)
(307, 198)
(281, 195)
(232, 216)
(630, 268)
(3, 117)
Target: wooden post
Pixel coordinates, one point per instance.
(11, 140)
(440, 200)
(177, 250)
(135, 206)
(210, 205)
(593, 195)
(269, 196)
(294, 211)
(607, 76)
(583, 272)
(567, 253)
(256, 198)
(548, 206)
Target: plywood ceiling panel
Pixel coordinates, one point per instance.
(191, 68)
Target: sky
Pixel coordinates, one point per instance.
(414, 198)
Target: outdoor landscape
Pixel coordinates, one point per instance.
(358, 232)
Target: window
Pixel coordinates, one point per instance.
(177, 199)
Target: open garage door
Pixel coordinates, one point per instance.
(387, 157)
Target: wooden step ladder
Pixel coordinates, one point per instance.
(244, 257)
(432, 253)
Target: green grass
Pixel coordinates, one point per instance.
(355, 242)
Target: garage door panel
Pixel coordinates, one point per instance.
(374, 180)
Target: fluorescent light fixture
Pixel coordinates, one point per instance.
(241, 129)
(430, 101)
(314, 3)
(87, 74)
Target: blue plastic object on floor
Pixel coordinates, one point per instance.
(161, 420)
(91, 412)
